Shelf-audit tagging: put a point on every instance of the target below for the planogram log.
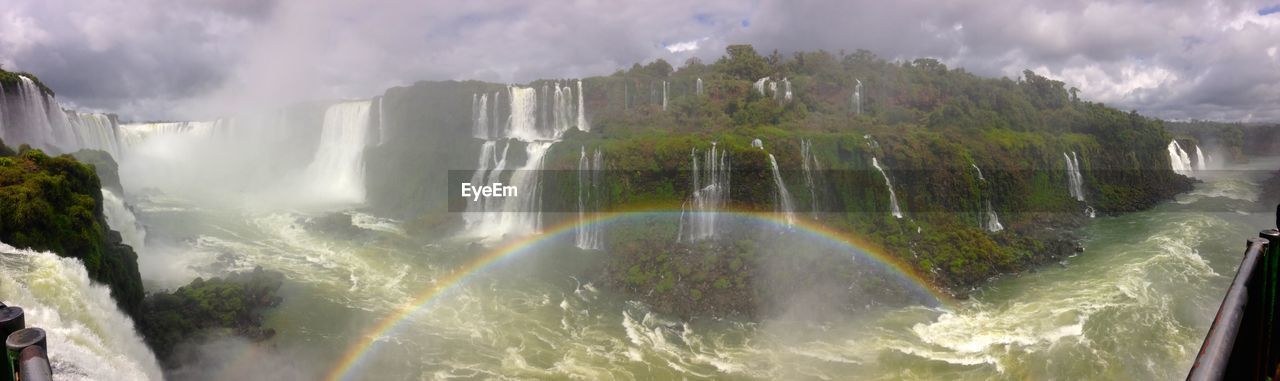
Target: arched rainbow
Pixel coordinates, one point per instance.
(357, 351)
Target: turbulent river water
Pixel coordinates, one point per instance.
(1135, 305)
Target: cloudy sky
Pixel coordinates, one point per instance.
(162, 59)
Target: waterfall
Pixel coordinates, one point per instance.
(757, 143)
(809, 163)
(476, 207)
(30, 116)
(94, 131)
(88, 336)
(1178, 158)
(759, 85)
(522, 123)
(773, 89)
(582, 115)
(893, 197)
(664, 95)
(1075, 182)
(993, 220)
(590, 191)
(699, 87)
(698, 213)
(781, 197)
(122, 220)
(786, 84)
(992, 223)
(857, 97)
(133, 135)
(382, 123)
(480, 116)
(1200, 159)
(337, 169)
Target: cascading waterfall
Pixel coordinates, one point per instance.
(337, 169)
(30, 116)
(480, 114)
(773, 89)
(1075, 182)
(1178, 158)
(590, 191)
(698, 213)
(122, 220)
(94, 131)
(531, 124)
(786, 84)
(992, 220)
(487, 157)
(88, 336)
(582, 114)
(809, 163)
(133, 135)
(893, 196)
(698, 90)
(1201, 164)
(857, 97)
(664, 95)
(757, 143)
(781, 197)
(759, 85)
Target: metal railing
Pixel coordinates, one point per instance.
(1241, 344)
(26, 349)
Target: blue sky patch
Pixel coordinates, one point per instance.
(1269, 10)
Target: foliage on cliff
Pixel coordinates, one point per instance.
(55, 204)
(209, 307)
(9, 81)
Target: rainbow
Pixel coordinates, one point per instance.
(357, 351)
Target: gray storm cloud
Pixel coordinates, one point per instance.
(150, 59)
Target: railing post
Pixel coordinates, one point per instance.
(1270, 283)
(33, 364)
(12, 319)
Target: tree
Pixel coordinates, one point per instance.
(659, 68)
(742, 62)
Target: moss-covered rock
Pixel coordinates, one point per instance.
(55, 204)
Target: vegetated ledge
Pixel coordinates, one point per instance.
(9, 81)
(206, 309)
(55, 204)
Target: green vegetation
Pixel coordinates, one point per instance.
(9, 81)
(55, 204)
(205, 308)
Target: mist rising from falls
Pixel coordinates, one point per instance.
(893, 197)
(590, 191)
(710, 193)
(337, 171)
(121, 219)
(781, 197)
(88, 336)
(1075, 182)
(135, 134)
(29, 116)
